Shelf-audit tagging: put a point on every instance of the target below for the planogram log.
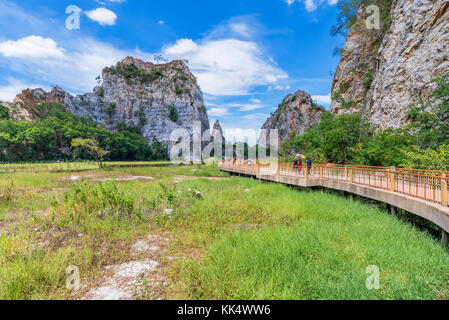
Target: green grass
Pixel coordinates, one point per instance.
(310, 246)
(272, 242)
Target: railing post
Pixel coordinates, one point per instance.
(444, 195)
(306, 173)
(392, 179)
(351, 176)
(444, 238)
(321, 172)
(258, 169)
(278, 169)
(346, 172)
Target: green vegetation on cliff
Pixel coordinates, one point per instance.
(49, 138)
(349, 139)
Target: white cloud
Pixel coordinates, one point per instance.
(240, 135)
(278, 87)
(310, 5)
(76, 71)
(161, 22)
(182, 47)
(322, 99)
(240, 28)
(31, 47)
(217, 112)
(255, 100)
(248, 106)
(103, 16)
(226, 66)
(9, 91)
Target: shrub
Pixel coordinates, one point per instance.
(100, 92)
(4, 112)
(110, 110)
(367, 81)
(173, 115)
(132, 72)
(94, 200)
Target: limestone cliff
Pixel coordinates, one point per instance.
(157, 98)
(217, 128)
(382, 81)
(296, 113)
(25, 105)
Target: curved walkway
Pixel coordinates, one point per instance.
(421, 192)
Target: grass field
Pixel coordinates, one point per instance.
(72, 166)
(230, 238)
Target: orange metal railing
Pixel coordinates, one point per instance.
(428, 185)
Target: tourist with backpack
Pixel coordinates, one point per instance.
(309, 166)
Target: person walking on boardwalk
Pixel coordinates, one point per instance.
(295, 163)
(299, 166)
(309, 166)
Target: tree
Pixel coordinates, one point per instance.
(432, 128)
(333, 139)
(91, 147)
(384, 148)
(347, 16)
(428, 159)
(4, 112)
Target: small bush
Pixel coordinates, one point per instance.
(100, 200)
(110, 110)
(173, 115)
(367, 81)
(132, 72)
(4, 112)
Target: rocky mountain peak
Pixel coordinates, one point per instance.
(155, 98)
(296, 113)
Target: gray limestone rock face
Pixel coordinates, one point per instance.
(296, 113)
(158, 98)
(412, 52)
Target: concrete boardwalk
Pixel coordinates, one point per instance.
(424, 195)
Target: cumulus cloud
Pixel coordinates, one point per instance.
(9, 91)
(322, 99)
(226, 66)
(84, 59)
(217, 112)
(103, 16)
(31, 47)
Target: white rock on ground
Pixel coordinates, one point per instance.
(123, 282)
(139, 247)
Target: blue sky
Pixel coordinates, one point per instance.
(247, 55)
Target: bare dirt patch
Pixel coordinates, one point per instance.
(142, 278)
(100, 178)
(178, 179)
